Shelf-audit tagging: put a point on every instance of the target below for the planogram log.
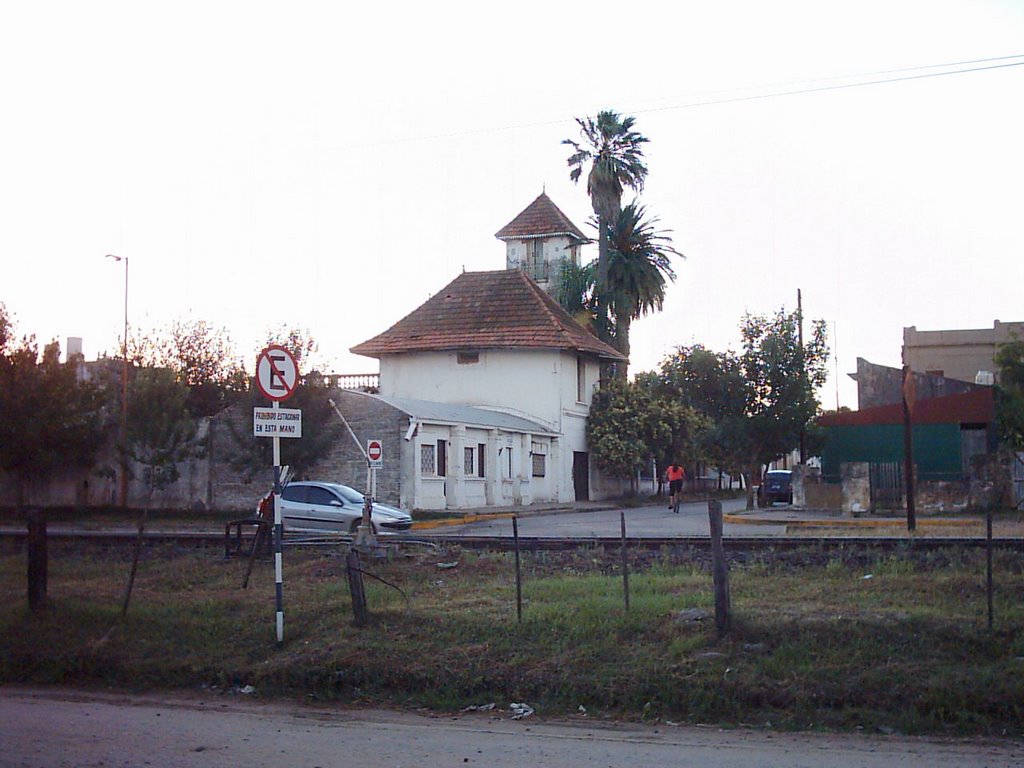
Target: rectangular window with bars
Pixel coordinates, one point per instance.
(539, 464)
(428, 465)
(467, 463)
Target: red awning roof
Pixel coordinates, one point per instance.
(977, 407)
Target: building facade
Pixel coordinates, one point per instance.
(965, 355)
(496, 378)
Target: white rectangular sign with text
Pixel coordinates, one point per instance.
(276, 422)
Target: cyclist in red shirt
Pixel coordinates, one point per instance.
(675, 474)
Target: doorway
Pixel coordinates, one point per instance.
(581, 475)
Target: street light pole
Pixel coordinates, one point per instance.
(124, 388)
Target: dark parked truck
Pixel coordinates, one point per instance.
(777, 485)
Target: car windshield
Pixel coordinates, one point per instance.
(348, 494)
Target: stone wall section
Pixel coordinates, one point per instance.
(879, 385)
(370, 419)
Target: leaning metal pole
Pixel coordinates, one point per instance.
(364, 536)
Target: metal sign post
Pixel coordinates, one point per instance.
(365, 537)
(277, 375)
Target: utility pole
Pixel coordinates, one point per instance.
(124, 389)
(803, 369)
(908, 444)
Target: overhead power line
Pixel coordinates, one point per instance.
(792, 88)
(834, 86)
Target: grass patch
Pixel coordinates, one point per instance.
(837, 642)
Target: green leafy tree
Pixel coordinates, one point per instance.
(630, 424)
(682, 439)
(49, 420)
(622, 418)
(161, 431)
(253, 456)
(1010, 394)
(782, 380)
(202, 357)
(759, 401)
(161, 434)
(612, 154)
(575, 293)
(298, 341)
(639, 266)
(713, 385)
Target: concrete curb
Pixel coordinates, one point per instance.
(475, 517)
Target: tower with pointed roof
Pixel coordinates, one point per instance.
(539, 239)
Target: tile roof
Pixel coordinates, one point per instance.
(487, 310)
(541, 218)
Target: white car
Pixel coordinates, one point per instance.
(333, 508)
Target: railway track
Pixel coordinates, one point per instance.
(15, 538)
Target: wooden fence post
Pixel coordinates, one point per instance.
(625, 560)
(988, 564)
(519, 576)
(354, 570)
(37, 559)
(719, 569)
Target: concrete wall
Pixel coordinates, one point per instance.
(537, 384)
(98, 486)
(879, 385)
(856, 488)
(540, 385)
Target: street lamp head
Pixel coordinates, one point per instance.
(115, 258)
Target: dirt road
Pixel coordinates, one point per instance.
(47, 728)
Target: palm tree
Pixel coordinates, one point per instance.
(575, 292)
(638, 266)
(614, 153)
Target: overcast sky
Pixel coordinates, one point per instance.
(329, 166)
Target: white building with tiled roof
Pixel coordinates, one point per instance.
(491, 342)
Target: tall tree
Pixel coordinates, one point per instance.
(712, 383)
(612, 153)
(49, 419)
(639, 265)
(299, 342)
(782, 377)
(758, 400)
(320, 426)
(161, 431)
(631, 423)
(202, 357)
(575, 292)
(1010, 393)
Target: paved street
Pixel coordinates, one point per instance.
(53, 729)
(654, 520)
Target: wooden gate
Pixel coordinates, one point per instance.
(887, 485)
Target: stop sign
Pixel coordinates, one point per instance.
(374, 452)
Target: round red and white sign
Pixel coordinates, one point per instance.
(277, 373)
(374, 450)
